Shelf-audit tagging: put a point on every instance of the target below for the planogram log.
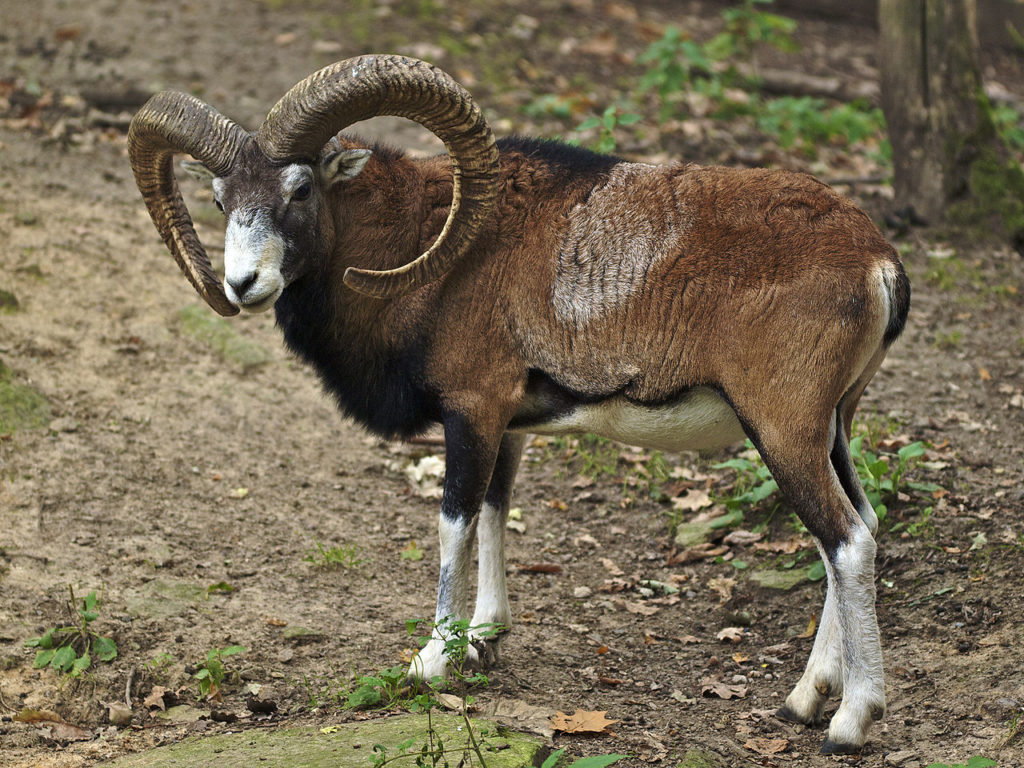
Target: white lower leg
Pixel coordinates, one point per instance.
(863, 676)
(492, 605)
(456, 539)
(823, 675)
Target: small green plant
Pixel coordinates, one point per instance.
(381, 690)
(212, 672)
(883, 477)
(345, 556)
(611, 119)
(590, 455)
(457, 636)
(753, 483)
(220, 588)
(948, 340)
(159, 665)
(974, 762)
(914, 528)
(70, 649)
(806, 122)
(654, 473)
(595, 761)
(676, 65)
(1014, 729)
(1010, 125)
(747, 28)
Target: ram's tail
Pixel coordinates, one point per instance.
(897, 294)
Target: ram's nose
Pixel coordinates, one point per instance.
(240, 284)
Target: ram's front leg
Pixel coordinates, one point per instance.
(469, 461)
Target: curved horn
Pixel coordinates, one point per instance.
(176, 122)
(343, 93)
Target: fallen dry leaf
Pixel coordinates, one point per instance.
(615, 585)
(787, 547)
(450, 701)
(893, 444)
(742, 538)
(722, 690)
(698, 552)
(520, 715)
(740, 658)
(604, 44)
(767, 747)
(63, 34)
(811, 626)
(541, 568)
(155, 700)
(63, 732)
(695, 498)
(37, 716)
(52, 726)
(723, 586)
(118, 713)
(731, 634)
(641, 608)
(667, 600)
(611, 567)
(582, 721)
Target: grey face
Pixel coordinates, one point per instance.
(272, 221)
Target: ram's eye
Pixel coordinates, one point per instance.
(217, 202)
(302, 192)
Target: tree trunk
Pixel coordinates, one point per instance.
(948, 161)
(929, 95)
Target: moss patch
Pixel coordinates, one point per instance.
(222, 338)
(996, 202)
(21, 407)
(347, 745)
(160, 599)
(697, 759)
(8, 302)
(993, 203)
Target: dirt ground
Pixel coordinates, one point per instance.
(168, 463)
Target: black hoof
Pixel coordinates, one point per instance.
(832, 748)
(785, 713)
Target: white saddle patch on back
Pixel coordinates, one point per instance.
(701, 421)
(612, 239)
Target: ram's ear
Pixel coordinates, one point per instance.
(343, 164)
(197, 170)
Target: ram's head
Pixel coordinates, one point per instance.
(271, 183)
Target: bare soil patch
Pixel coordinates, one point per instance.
(170, 462)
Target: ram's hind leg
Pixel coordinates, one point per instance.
(846, 658)
(493, 614)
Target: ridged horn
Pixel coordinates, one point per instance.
(173, 122)
(302, 122)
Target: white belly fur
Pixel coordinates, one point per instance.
(702, 421)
